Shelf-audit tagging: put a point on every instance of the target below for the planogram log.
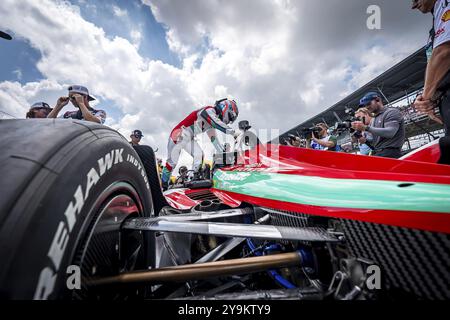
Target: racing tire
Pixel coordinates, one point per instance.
(67, 186)
(148, 158)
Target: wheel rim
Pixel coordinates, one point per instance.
(105, 250)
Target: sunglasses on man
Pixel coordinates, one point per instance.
(72, 98)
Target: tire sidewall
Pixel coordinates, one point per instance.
(39, 269)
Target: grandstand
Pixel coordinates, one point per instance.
(399, 86)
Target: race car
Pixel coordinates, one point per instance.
(83, 216)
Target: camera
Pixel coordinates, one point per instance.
(244, 125)
(292, 140)
(73, 100)
(357, 134)
(345, 125)
(308, 132)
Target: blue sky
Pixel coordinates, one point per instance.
(140, 17)
(19, 58)
(22, 58)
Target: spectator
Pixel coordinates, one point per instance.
(136, 137)
(436, 91)
(38, 110)
(346, 148)
(364, 138)
(387, 127)
(79, 96)
(324, 141)
(160, 166)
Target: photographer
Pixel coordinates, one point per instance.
(79, 97)
(293, 141)
(387, 127)
(324, 141)
(363, 138)
(436, 91)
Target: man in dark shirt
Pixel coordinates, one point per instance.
(387, 127)
(136, 137)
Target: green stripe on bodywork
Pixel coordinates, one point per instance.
(338, 193)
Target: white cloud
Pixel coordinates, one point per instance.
(285, 60)
(373, 67)
(18, 74)
(15, 99)
(136, 37)
(110, 68)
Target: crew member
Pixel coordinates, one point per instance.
(136, 137)
(207, 119)
(436, 91)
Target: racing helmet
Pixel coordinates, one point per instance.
(227, 110)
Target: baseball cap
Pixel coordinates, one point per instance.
(39, 105)
(368, 98)
(80, 90)
(137, 133)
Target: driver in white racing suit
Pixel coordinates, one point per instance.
(207, 119)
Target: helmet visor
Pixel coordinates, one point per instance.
(231, 116)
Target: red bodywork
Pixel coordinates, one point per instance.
(185, 199)
(419, 166)
(428, 153)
